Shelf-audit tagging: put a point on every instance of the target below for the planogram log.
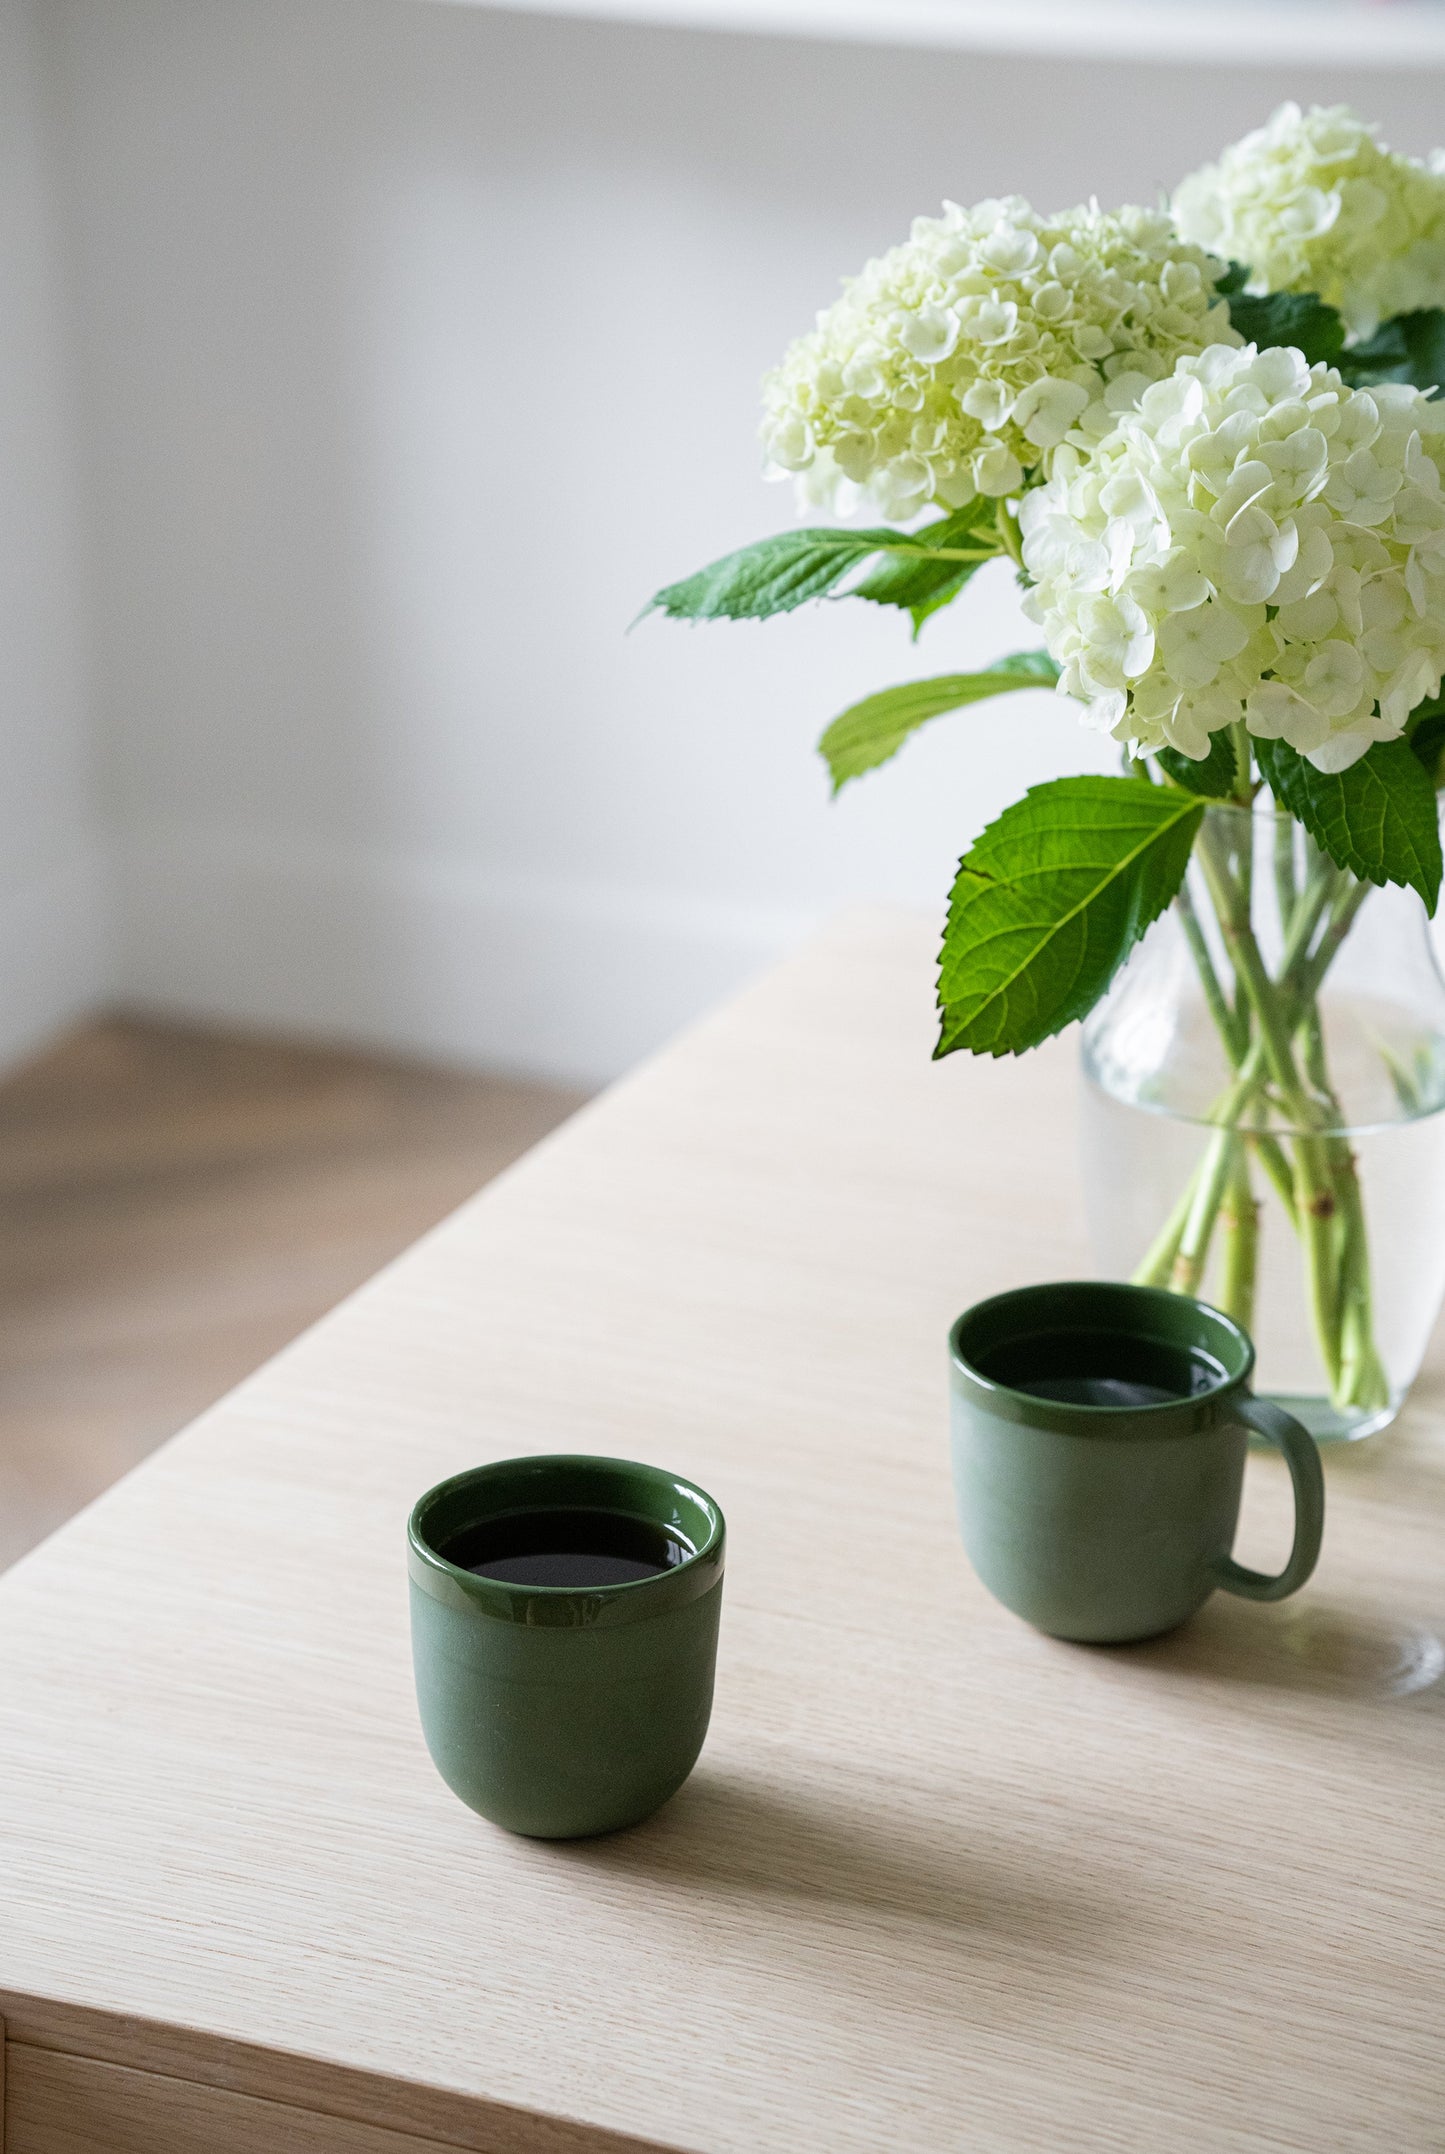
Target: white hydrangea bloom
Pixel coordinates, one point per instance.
(957, 363)
(1256, 540)
(1313, 203)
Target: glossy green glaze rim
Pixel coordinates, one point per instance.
(1149, 1312)
(561, 1480)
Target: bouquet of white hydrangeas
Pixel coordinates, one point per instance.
(1208, 439)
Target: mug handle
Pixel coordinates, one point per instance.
(1303, 1459)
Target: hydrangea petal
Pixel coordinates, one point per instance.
(1311, 202)
(1325, 627)
(1005, 332)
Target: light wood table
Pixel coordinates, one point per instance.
(938, 1883)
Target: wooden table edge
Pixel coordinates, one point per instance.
(347, 2094)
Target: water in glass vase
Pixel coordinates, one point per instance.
(1298, 1182)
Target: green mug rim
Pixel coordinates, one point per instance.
(636, 1600)
(1235, 1354)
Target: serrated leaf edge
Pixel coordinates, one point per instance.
(1190, 806)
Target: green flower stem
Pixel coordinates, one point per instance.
(1270, 1154)
(1312, 1054)
(1157, 1265)
(1274, 1028)
(1284, 877)
(1237, 1046)
(1312, 1042)
(1239, 1216)
(1226, 1023)
(1301, 974)
(1210, 1182)
(1316, 1198)
(1345, 902)
(1010, 537)
(1363, 1381)
(1243, 762)
(1362, 1378)
(1297, 984)
(905, 552)
(1220, 1195)
(1244, 871)
(1317, 1201)
(1157, 1262)
(1271, 1033)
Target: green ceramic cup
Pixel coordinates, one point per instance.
(1109, 1522)
(555, 1711)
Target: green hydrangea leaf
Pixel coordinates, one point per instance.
(1297, 318)
(1049, 903)
(1382, 357)
(868, 733)
(1424, 337)
(1410, 348)
(943, 596)
(785, 571)
(1215, 778)
(920, 585)
(774, 576)
(1425, 732)
(1379, 818)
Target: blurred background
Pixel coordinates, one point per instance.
(364, 366)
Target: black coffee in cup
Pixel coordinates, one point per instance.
(1101, 1368)
(580, 1549)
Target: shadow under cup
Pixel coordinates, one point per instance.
(563, 1710)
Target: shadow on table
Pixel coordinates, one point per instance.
(1351, 1653)
(743, 1837)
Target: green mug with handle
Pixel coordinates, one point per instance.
(1099, 1440)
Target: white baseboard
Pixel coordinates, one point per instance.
(431, 958)
(54, 956)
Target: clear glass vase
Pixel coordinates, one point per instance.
(1264, 1117)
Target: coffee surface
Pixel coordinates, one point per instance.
(1101, 1368)
(581, 1549)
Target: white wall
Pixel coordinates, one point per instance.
(51, 926)
(418, 346)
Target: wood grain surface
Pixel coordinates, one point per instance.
(177, 1204)
(937, 1883)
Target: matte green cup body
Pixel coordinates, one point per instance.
(554, 1712)
(1103, 1523)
